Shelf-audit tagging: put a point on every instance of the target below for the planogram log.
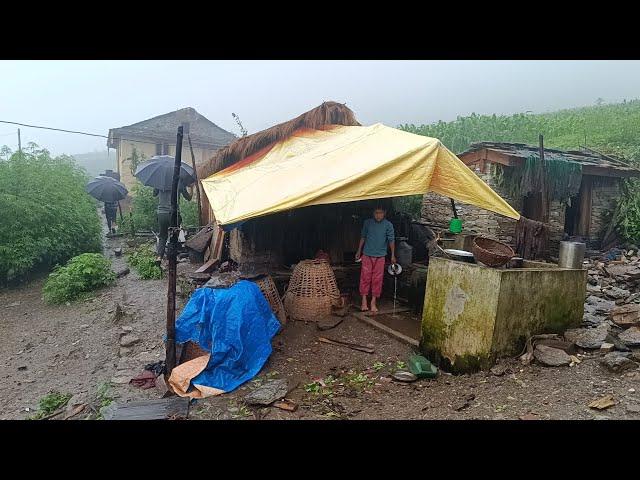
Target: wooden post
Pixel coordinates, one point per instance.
(193, 163)
(19, 143)
(120, 210)
(172, 254)
(543, 183)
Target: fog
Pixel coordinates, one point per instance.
(93, 96)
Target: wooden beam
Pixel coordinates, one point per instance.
(394, 333)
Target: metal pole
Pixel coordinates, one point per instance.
(193, 162)
(172, 254)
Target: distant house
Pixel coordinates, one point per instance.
(157, 136)
(585, 186)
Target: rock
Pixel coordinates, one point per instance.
(600, 305)
(127, 329)
(635, 356)
(403, 376)
(591, 320)
(328, 322)
(128, 340)
(551, 357)
(616, 292)
(607, 347)
(618, 362)
(13, 304)
(633, 409)
(122, 272)
(603, 403)
(601, 417)
(146, 357)
(268, 392)
(117, 251)
(500, 369)
(120, 379)
(125, 351)
(617, 344)
(631, 337)
(626, 315)
(588, 337)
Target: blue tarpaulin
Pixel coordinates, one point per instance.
(235, 325)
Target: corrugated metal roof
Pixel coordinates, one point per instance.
(584, 157)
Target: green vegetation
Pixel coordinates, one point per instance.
(46, 217)
(104, 398)
(612, 129)
(80, 275)
(143, 210)
(50, 403)
(143, 259)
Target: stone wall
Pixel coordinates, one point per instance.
(604, 196)
(436, 210)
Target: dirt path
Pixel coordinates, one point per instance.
(75, 349)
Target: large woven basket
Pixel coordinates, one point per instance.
(312, 291)
(268, 288)
(491, 252)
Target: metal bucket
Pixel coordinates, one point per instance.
(571, 255)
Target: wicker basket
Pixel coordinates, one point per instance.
(268, 288)
(312, 291)
(491, 252)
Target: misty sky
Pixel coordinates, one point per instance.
(94, 96)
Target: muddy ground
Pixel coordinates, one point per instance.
(76, 349)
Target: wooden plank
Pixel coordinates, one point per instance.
(352, 346)
(160, 409)
(370, 321)
(207, 267)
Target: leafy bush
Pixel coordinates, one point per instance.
(81, 274)
(50, 403)
(143, 259)
(143, 210)
(45, 215)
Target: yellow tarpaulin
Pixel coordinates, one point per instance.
(344, 164)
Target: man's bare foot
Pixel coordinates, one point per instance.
(364, 307)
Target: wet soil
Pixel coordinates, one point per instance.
(75, 349)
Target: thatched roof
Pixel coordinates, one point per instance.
(329, 113)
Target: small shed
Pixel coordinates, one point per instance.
(582, 191)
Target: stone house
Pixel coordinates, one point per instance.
(585, 187)
(157, 136)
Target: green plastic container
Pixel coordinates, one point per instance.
(421, 367)
(455, 225)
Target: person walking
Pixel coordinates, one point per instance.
(110, 210)
(164, 215)
(377, 235)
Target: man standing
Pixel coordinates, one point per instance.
(164, 215)
(377, 233)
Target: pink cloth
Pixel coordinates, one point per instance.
(371, 275)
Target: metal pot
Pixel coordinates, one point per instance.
(571, 255)
(460, 255)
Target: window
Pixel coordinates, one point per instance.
(165, 149)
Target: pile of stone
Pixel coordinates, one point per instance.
(611, 322)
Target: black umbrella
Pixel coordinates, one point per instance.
(106, 189)
(158, 173)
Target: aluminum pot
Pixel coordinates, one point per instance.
(571, 255)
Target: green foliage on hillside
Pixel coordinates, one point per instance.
(611, 129)
(45, 215)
